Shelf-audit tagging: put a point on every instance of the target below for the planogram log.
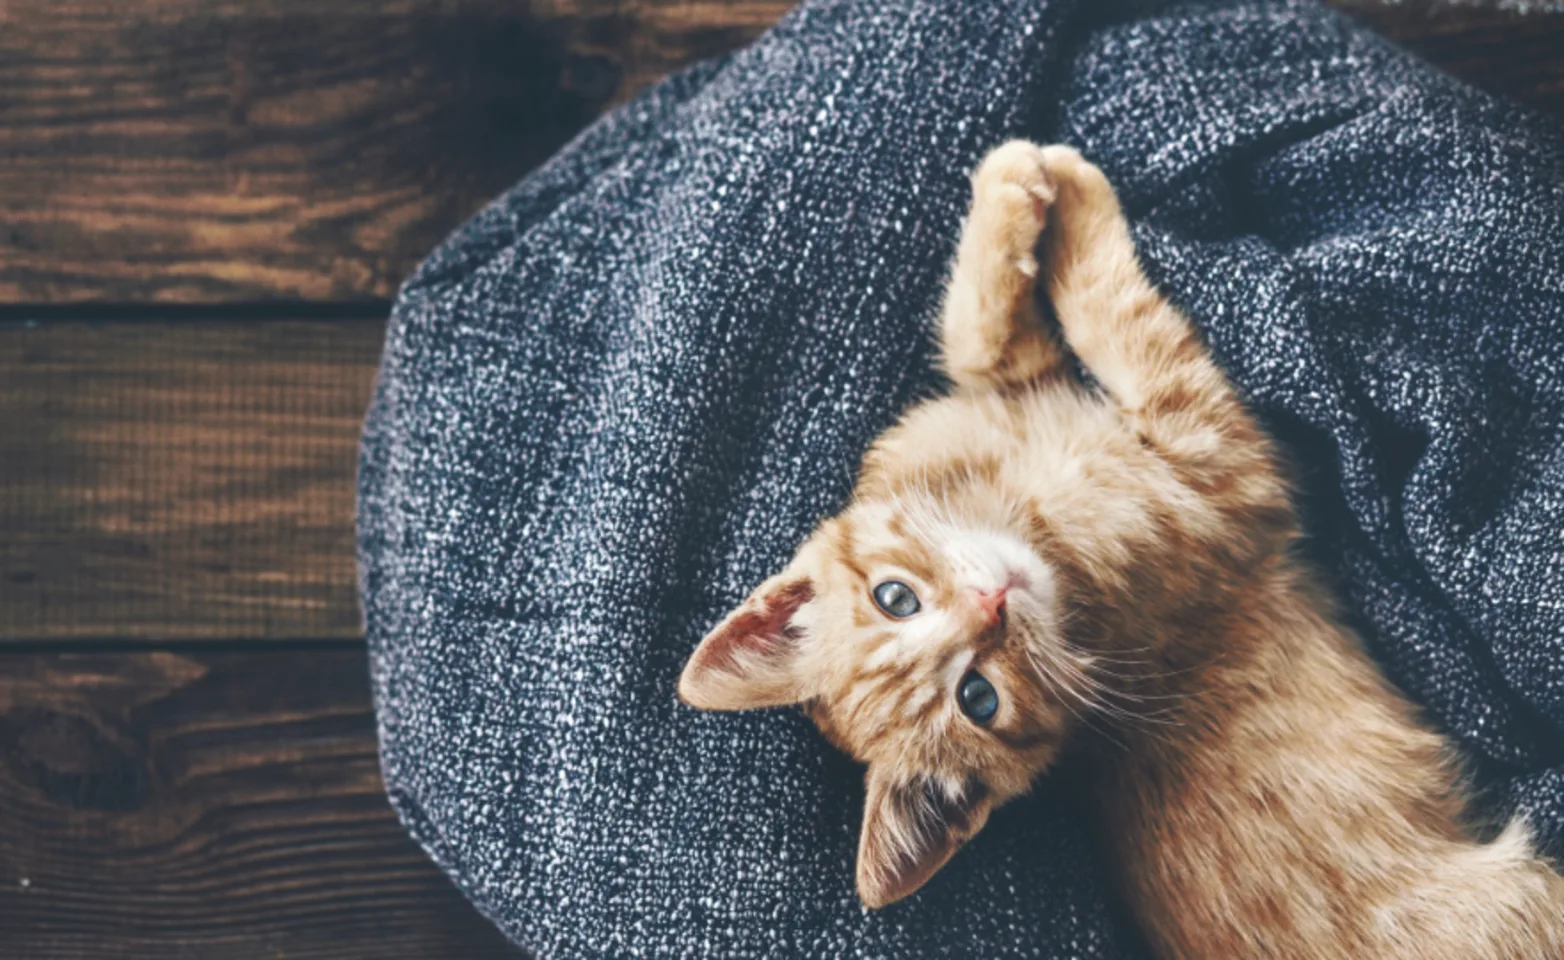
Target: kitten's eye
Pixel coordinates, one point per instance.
(896, 599)
(978, 698)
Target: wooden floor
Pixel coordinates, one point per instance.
(205, 206)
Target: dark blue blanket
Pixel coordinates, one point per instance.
(618, 398)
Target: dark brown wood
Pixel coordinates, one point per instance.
(218, 151)
(1518, 55)
(225, 806)
(181, 480)
(230, 150)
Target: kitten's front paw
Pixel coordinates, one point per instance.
(1012, 190)
(1077, 182)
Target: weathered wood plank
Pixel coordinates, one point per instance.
(230, 150)
(218, 151)
(181, 480)
(221, 805)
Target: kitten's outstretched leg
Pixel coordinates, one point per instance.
(990, 331)
(1145, 353)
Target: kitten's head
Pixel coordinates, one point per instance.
(921, 633)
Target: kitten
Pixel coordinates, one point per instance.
(1025, 561)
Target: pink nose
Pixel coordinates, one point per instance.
(991, 603)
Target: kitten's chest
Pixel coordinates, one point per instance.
(1088, 478)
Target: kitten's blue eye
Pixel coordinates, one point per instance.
(978, 698)
(896, 599)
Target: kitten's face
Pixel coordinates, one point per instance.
(921, 633)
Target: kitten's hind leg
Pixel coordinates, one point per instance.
(990, 333)
(1140, 347)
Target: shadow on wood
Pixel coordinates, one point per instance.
(210, 150)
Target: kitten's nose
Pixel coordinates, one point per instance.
(991, 603)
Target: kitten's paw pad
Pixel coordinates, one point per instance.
(1012, 190)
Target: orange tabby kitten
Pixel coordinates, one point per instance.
(1025, 560)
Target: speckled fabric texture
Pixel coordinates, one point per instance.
(619, 397)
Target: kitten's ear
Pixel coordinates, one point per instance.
(748, 660)
(910, 828)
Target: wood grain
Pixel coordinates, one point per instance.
(230, 150)
(181, 480)
(225, 806)
(220, 151)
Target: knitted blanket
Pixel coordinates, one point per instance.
(618, 398)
